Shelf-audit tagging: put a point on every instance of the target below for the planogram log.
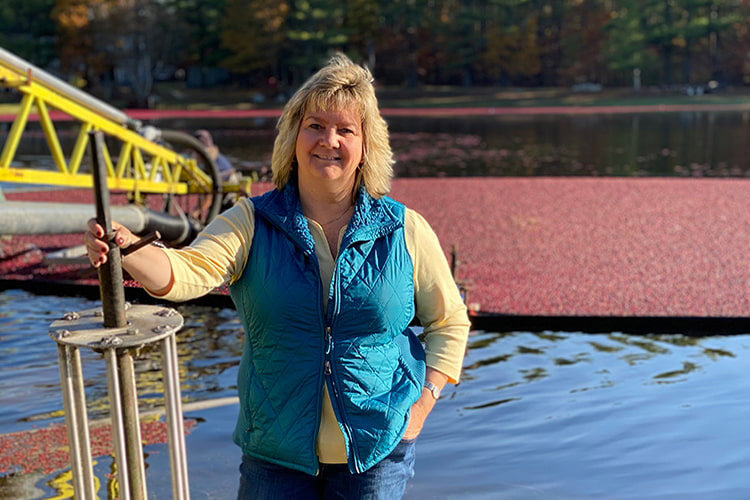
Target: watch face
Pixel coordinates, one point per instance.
(435, 390)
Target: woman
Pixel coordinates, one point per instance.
(326, 273)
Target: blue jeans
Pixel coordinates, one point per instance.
(261, 480)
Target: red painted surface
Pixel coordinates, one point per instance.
(576, 246)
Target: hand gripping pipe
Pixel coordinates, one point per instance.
(118, 330)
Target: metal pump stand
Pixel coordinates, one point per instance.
(118, 330)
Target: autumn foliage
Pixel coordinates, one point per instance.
(405, 42)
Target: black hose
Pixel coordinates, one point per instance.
(175, 230)
(176, 138)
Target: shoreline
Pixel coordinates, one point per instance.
(466, 111)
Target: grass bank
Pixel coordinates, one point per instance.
(446, 97)
(176, 96)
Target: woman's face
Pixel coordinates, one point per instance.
(329, 148)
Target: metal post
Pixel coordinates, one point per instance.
(113, 307)
(132, 427)
(76, 424)
(118, 433)
(175, 427)
(79, 404)
(110, 274)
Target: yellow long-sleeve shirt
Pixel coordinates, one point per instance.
(219, 254)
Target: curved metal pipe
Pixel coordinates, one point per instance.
(30, 217)
(174, 230)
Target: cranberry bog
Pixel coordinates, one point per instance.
(661, 254)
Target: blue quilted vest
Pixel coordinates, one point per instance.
(362, 347)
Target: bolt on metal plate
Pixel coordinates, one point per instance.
(147, 324)
(111, 341)
(61, 334)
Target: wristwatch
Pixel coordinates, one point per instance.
(435, 390)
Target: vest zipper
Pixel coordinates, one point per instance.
(328, 370)
(319, 399)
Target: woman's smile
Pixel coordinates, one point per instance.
(327, 157)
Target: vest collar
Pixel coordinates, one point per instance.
(372, 218)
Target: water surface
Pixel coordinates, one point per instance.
(560, 415)
(707, 144)
(684, 144)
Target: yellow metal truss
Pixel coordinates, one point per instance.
(142, 166)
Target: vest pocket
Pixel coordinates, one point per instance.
(412, 357)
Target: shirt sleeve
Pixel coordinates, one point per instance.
(440, 309)
(218, 254)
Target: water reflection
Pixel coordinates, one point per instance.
(209, 348)
(571, 415)
(687, 367)
(688, 144)
(563, 414)
(580, 357)
(642, 342)
(715, 354)
(708, 144)
(524, 358)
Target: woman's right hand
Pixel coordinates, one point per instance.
(96, 244)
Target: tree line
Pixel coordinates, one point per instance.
(258, 43)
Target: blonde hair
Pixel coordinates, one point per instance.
(339, 85)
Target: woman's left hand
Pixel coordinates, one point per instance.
(423, 406)
(419, 412)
